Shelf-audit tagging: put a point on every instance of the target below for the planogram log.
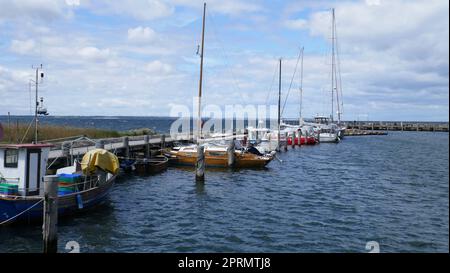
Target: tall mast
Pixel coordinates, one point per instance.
(279, 106)
(334, 79)
(199, 118)
(36, 106)
(301, 85)
(332, 65)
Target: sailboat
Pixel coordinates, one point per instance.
(336, 83)
(300, 134)
(267, 140)
(328, 130)
(216, 155)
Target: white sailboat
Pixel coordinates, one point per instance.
(336, 82)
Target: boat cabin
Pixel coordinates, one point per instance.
(322, 119)
(23, 166)
(257, 134)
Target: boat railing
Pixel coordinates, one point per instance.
(9, 180)
(88, 183)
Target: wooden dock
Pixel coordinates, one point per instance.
(118, 145)
(111, 144)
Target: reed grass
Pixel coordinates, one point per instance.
(16, 133)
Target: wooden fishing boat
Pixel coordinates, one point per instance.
(22, 169)
(152, 165)
(217, 156)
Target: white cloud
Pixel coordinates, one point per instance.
(296, 23)
(138, 9)
(22, 47)
(394, 51)
(141, 35)
(229, 7)
(158, 67)
(394, 55)
(94, 54)
(35, 9)
(73, 2)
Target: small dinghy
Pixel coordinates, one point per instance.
(152, 165)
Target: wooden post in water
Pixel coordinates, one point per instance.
(126, 146)
(285, 141)
(200, 164)
(147, 146)
(50, 227)
(231, 155)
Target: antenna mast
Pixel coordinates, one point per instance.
(39, 68)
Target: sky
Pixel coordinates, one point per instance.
(138, 57)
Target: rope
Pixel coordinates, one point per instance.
(271, 85)
(51, 164)
(10, 219)
(292, 80)
(26, 132)
(225, 55)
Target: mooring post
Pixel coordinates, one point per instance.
(147, 146)
(230, 151)
(49, 227)
(65, 147)
(100, 144)
(200, 164)
(126, 146)
(285, 141)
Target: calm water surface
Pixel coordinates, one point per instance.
(327, 198)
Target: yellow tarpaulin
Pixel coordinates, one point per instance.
(102, 159)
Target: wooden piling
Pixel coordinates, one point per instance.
(147, 146)
(126, 146)
(50, 227)
(231, 155)
(200, 164)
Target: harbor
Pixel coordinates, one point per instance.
(288, 201)
(126, 142)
